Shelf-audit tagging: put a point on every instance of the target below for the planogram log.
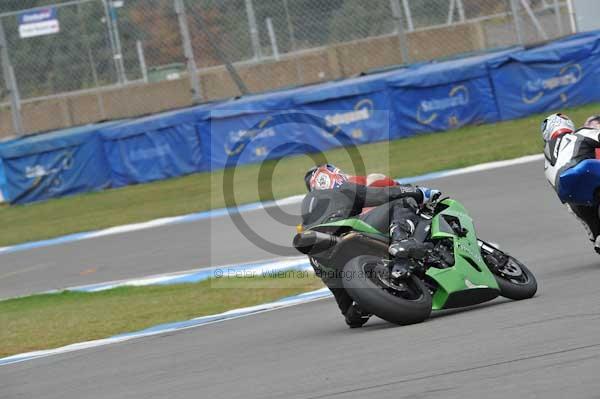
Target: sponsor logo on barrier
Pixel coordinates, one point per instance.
(38, 172)
(363, 110)
(239, 139)
(314, 122)
(533, 90)
(35, 171)
(150, 153)
(347, 117)
(357, 133)
(427, 112)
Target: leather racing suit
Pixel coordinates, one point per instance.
(394, 210)
(564, 152)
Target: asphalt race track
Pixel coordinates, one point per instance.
(546, 347)
(165, 249)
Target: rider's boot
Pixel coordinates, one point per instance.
(403, 245)
(355, 317)
(408, 248)
(403, 248)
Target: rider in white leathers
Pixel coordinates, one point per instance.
(564, 148)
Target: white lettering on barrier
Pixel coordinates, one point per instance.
(533, 90)
(551, 83)
(34, 171)
(150, 153)
(457, 97)
(444, 103)
(348, 117)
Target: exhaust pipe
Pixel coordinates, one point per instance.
(314, 242)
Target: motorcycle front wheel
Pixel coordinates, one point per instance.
(368, 281)
(514, 279)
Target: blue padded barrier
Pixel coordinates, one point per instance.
(55, 164)
(561, 74)
(155, 147)
(425, 97)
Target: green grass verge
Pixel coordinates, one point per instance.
(54, 320)
(193, 193)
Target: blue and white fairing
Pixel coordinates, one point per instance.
(577, 185)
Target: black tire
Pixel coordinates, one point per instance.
(517, 288)
(373, 298)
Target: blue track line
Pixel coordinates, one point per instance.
(170, 327)
(215, 213)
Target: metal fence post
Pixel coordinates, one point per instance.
(272, 38)
(397, 14)
(115, 30)
(534, 19)
(142, 60)
(111, 39)
(559, 22)
(514, 6)
(254, 38)
(572, 18)
(188, 51)
(292, 34)
(88, 48)
(408, 14)
(451, 7)
(461, 10)
(11, 84)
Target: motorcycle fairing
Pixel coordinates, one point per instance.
(469, 281)
(578, 185)
(350, 223)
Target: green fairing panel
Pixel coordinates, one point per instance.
(462, 276)
(354, 224)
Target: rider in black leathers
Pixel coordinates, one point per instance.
(331, 197)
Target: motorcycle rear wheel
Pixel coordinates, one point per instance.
(403, 304)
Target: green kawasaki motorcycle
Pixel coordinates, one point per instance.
(458, 269)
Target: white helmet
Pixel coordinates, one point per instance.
(555, 125)
(593, 122)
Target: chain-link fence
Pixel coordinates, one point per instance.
(108, 59)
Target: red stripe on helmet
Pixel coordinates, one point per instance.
(560, 132)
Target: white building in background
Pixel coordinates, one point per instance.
(587, 14)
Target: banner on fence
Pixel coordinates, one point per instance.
(558, 75)
(306, 120)
(428, 97)
(38, 22)
(154, 148)
(444, 95)
(53, 165)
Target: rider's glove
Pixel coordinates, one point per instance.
(429, 194)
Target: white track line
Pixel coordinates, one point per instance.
(170, 327)
(237, 313)
(247, 208)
